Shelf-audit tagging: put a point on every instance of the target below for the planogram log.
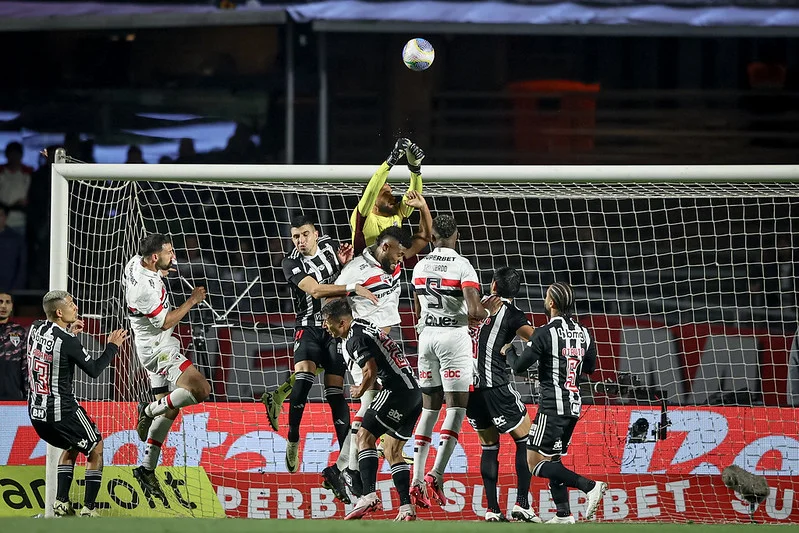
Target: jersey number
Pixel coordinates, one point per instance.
(571, 375)
(434, 300)
(42, 371)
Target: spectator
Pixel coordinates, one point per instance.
(240, 147)
(135, 155)
(13, 358)
(15, 182)
(12, 250)
(38, 232)
(186, 151)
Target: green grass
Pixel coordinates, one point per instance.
(189, 525)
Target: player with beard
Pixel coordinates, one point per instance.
(378, 209)
(564, 349)
(153, 321)
(378, 268)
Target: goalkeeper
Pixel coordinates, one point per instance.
(377, 210)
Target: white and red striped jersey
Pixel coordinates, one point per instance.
(439, 280)
(147, 305)
(367, 271)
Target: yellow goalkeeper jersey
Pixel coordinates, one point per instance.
(366, 226)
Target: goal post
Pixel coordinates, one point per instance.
(680, 273)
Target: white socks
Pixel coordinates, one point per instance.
(424, 434)
(155, 439)
(175, 400)
(449, 438)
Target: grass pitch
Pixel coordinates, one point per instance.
(189, 525)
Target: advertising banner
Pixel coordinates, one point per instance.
(244, 459)
(187, 492)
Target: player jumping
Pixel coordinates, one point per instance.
(159, 352)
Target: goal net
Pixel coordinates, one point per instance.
(685, 275)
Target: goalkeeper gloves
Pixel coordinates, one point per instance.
(398, 151)
(414, 154)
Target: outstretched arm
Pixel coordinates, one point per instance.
(94, 367)
(423, 236)
(325, 290)
(520, 363)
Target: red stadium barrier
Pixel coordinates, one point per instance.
(245, 460)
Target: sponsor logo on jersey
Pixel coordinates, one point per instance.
(440, 321)
(568, 334)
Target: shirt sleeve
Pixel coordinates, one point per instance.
(347, 275)
(82, 358)
(365, 206)
(589, 360)
(518, 320)
(530, 355)
(360, 349)
(293, 271)
(469, 276)
(416, 185)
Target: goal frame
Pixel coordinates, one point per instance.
(63, 172)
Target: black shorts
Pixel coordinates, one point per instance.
(312, 343)
(74, 432)
(500, 407)
(550, 434)
(394, 413)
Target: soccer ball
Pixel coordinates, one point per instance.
(418, 54)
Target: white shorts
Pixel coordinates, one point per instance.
(445, 359)
(165, 364)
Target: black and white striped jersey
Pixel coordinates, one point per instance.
(366, 341)
(53, 353)
(323, 266)
(491, 368)
(564, 349)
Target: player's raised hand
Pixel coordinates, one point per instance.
(398, 152)
(414, 154)
(118, 337)
(76, 327)
(362, 291)
(415, 199)
(197, 295)
(345, 253)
